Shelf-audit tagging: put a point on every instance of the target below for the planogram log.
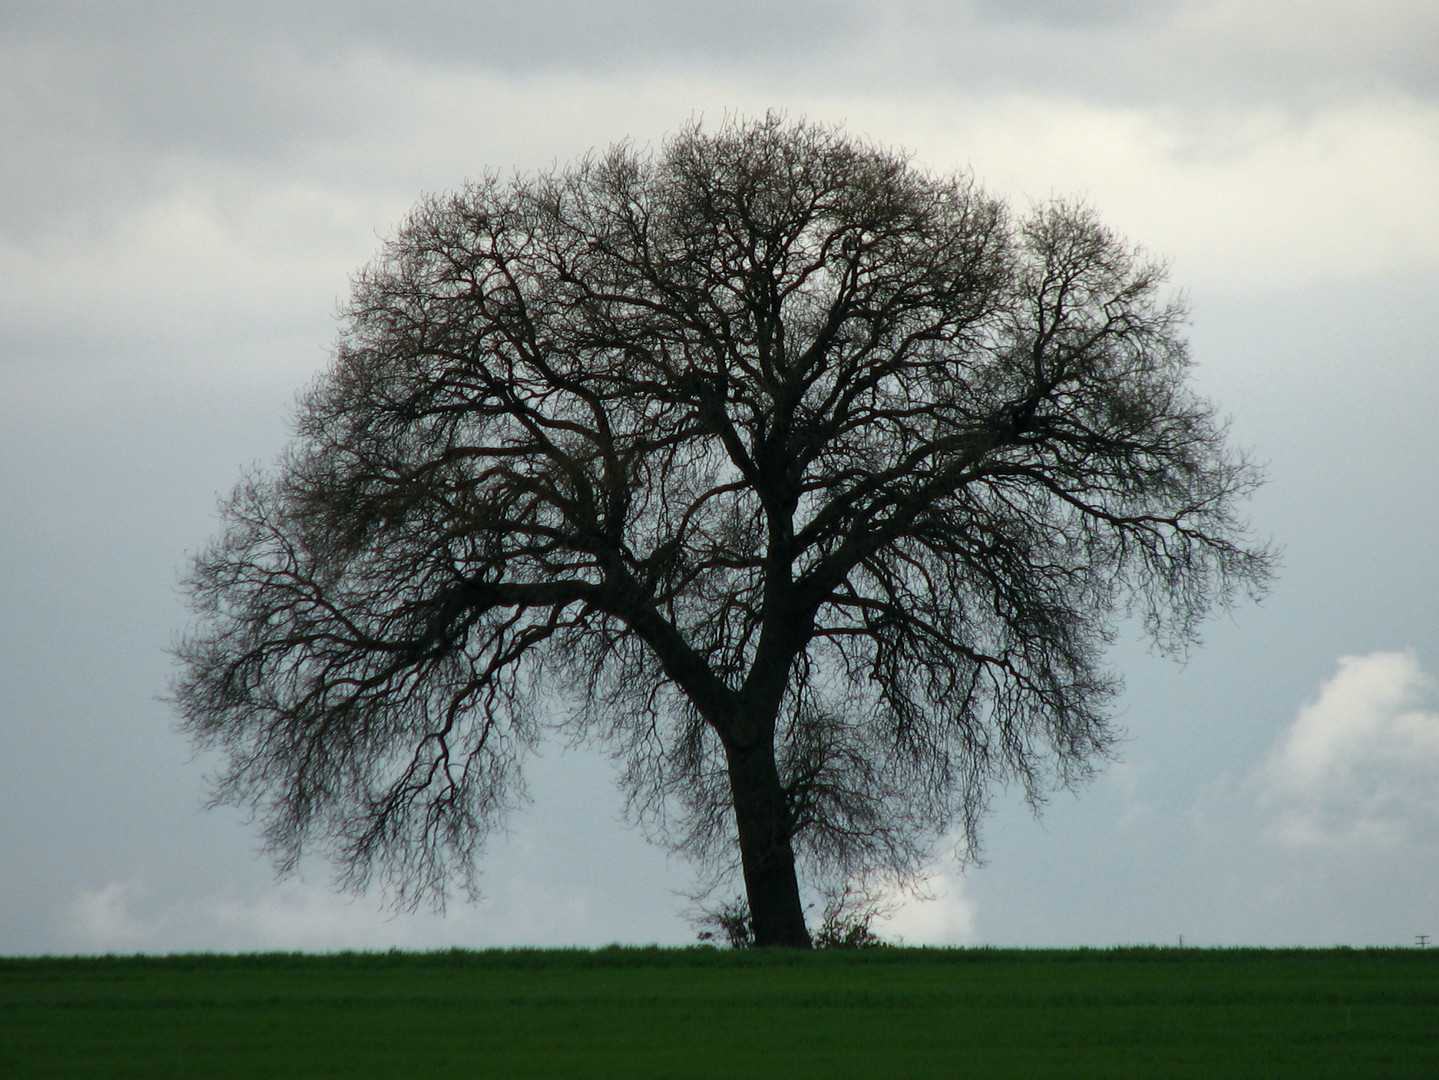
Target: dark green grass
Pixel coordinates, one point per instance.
(638, 1013)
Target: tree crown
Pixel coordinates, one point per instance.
(766, 439)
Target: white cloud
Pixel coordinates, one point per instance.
(103, 919)
(1359, 766)
(1247, 200)
(941, 914)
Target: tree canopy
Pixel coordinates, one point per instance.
(810, 484)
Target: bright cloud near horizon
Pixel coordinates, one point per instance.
(1360, 764)
(186, 190)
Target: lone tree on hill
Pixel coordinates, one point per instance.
(809, 483)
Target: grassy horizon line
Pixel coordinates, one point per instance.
(703, 955)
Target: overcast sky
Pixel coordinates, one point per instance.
(186, 188)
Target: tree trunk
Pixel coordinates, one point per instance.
(765, 849)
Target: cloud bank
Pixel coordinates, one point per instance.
(127, 915)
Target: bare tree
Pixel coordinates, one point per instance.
(811, 484)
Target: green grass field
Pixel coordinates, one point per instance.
(638, 1013)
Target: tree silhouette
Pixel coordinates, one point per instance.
(812, 485)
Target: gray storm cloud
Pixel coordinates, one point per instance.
(119, 100)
